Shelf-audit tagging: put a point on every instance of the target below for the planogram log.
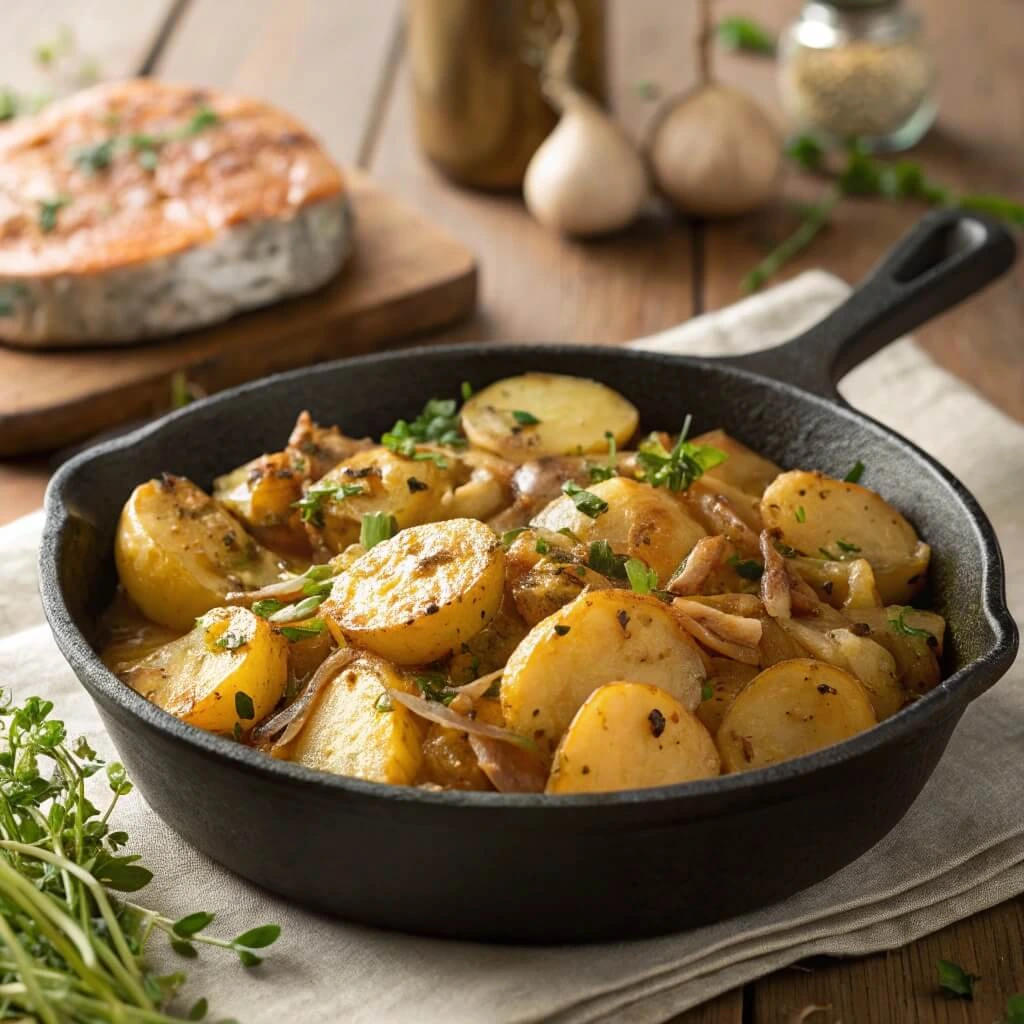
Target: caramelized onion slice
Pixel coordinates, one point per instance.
(433, 711)
(510, 768)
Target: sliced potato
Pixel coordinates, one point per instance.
(790, 709)
(744, 469)
(916, 647)
(573, 416)
(631, 736)
(599, 638)
(641, 522)
(179, 553)
(725, 680)
(407, 489)
(262, 493)
(818, 515)
(420, 595)
(351, 732)
(200, 677)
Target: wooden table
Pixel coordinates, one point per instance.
(341, 66)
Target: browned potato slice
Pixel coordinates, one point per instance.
(916, 645)
(200, 677)
(791, 709)
(572, 413)
(407, 489)
(631, 736)
(351, 730)
(420, 595)
(818, 515)
(601, 637)
(725, 680)
(641, 522)
(262, 493)
(178, 553)
(744, 469)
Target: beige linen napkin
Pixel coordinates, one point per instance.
(958, 851)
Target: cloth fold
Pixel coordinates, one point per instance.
(953, 855)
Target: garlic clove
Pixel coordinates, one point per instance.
(716, 153)
(586, 178)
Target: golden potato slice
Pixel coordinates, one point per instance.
(408, 489)
(599, 638)
(744, 469)
(819, 516)
(351, 730)
(790, 709)
(631, 736)
(725, 680)
(641, 522)
(420, 595)
(231, 668)
(179, 553)
(573, 415)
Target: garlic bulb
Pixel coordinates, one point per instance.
(586, 178)
(716, 153)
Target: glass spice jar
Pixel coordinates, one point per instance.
(858, 68)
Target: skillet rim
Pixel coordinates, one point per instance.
(936, 704)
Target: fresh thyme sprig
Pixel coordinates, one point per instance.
(70, 949)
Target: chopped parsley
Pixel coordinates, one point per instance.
(293, 634)
(377, 527)
(955, 981)
(244, 706)
(510, 535)
(900, 625)
(298, 611)
(785, 550)
(95, 158)
(265, 608)
(800, 514)
(603, 560)
(542, 547)
(311, 504)
(438, 423)
(600, 473)
(855, 474)
(435, 686)
(825, 553)
(748, 568)
(641, 578)
(229, 640)
(707, 691)
(846, 547)
(466, 390)
(205, 117)
(586, 501)
(48, 210)
(678, 468)
(524, 419)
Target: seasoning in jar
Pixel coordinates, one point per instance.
(859, 68)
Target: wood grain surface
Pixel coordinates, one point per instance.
(340, 66)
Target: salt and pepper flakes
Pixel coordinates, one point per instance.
(858, 68)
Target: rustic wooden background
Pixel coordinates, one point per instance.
(341, 66)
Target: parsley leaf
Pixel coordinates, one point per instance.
(524, 419)
(377, 527)
(599, 473)
(846, 547)
(95, 158)
(310, 628)
(205, 117)
(678, 468)
(801, 514)
(48, 210)
(435, 686)
(245, 710)
(510, 535)
(641, 578)
(437, 423)
(311, 504)
(603, 560)
(707, 691)
(230, 640)
(955, 981)
(746, 567)
(855, 474)
(542, 547)
(745, 34)
(586, 501)
(899, 625)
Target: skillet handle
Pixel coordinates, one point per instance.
(947, 256)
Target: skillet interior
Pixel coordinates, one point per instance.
(263, 818)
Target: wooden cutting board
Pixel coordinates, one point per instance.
(406, 275)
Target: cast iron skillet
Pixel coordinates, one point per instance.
(533, 868)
